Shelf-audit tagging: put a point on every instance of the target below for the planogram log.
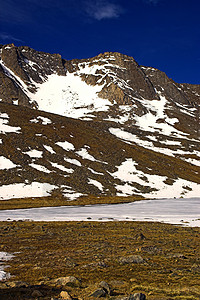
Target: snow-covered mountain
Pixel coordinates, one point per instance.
(103, 126)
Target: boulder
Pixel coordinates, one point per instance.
(36, 294)
(17, 284)
(99, 293)
(65, 295)
(138, 296)
(67, 281)
(104, 285)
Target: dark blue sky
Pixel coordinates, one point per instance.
(164, 34)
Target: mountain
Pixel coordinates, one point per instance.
(97, 127)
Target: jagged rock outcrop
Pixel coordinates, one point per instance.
(123, 81)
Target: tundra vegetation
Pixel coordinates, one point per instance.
(160, 260)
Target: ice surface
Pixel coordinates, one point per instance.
(184, 211)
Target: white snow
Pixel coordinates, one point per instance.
(34, 153)
(184, 211)
(6, 163)
(129, 174)
(4, 256)
(21, 190)
(73, 161)
(62, 168)
(40, 168)
(66, 145)
(96, 183)
(49, 148)
(148, 122)
(69, 96)
(15, 102)
(94, 172)
(69, 193)
(4, 128)
(129, 138)
(85, 155)
(45, 121)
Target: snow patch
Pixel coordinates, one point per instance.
(85, 155)
(73, 161)
(45, 121)
(34, 153)
(62, 168)
(96, 183)
(40, 168)
(69, 96)
(4, 128)
(21, 190)
(66, 145)
(4, 256)
(49, 149)
(6, 163)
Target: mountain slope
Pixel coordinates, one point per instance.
(103, 126)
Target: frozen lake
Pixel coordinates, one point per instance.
(185, 211)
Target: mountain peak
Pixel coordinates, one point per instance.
(134, 131)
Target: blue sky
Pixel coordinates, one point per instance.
(164, 34)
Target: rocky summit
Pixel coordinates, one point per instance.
(99, 127)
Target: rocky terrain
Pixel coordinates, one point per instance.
(98, 127)
(106, 260)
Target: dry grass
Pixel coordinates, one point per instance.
(91, 252)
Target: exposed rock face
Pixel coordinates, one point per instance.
(123, 80)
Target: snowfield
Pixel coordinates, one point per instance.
(21, 190)
(69, 96)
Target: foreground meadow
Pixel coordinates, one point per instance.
(160, 260)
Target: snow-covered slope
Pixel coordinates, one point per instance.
(44, 154)
(134, 132)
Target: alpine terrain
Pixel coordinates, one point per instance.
(98, 127)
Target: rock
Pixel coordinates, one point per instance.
(70, 263)
(140, 236)
(36, 294)
(98, 293)
(138, 296)
(149, 249)
(118, 283)
(17, 284)
(67, 281)
(179, 255)
(131, 259)
(104, 285)
(65, 295)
